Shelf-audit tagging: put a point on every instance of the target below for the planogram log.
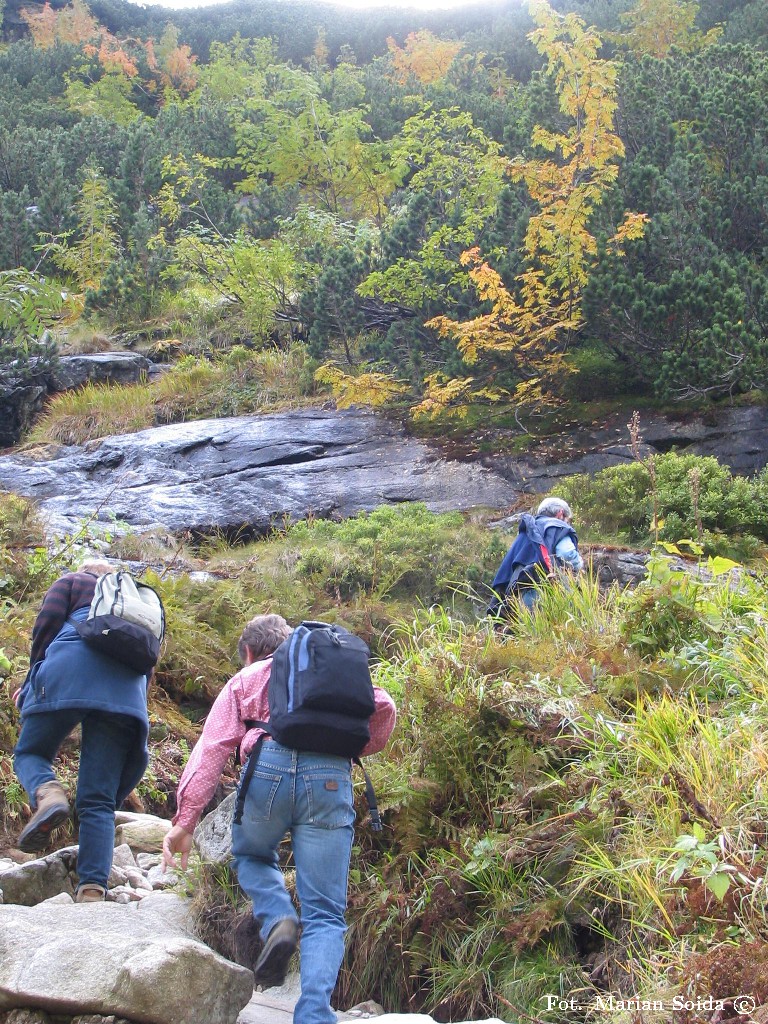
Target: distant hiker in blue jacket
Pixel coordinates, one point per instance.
(71, 684)
(544, 543)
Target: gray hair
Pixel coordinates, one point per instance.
(96, 566)
(551, 506)
(262, 636)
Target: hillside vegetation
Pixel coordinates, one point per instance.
(574, 804)
(481, 220)
(523, 208)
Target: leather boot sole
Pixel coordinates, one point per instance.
(272, 966)
(36, 835)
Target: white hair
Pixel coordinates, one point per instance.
(96, 566)
(551, 506)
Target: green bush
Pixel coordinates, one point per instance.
(599, 374)
(403, 550)
(618, 501)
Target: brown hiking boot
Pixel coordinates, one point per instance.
(52, 810)
(90, 893)
(272, 965)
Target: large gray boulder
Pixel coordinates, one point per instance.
(98, 367)
(213, 836)
(42, 879)
(736, 437)
(242, 475)
(138, 961)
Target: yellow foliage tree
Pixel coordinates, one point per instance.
(537, 321)
(97, 245)
(374, 389)
(179, 74)
(425, 57)
(655, 26)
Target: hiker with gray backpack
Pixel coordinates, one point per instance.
(545, 543)
(301, 710)
(99, 684)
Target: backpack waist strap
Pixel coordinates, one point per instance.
(250, 767)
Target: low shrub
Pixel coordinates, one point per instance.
(694, 495)
(401, 550)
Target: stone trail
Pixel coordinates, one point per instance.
(136, 957)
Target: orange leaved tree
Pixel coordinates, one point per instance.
(534, 322)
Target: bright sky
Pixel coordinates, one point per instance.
(422, 5)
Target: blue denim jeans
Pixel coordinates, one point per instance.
(106, 742)
(310, 796)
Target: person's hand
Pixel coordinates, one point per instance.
(177, 840)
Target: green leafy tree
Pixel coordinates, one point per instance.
(29, 305)
(292, 136)
(97, 242)
(454, 174)
(109, 96)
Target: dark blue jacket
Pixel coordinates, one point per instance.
(74, 675)
(531, 532)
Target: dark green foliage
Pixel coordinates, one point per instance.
(618, 501)
(686, 308)
(124, 291)
(17, 229)
(599, 373)
(331, 308)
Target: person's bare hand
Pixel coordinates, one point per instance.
(177, 840)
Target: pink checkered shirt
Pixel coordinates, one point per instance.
(245, 697)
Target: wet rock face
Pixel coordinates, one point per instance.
(19, 407)
(737, 438)
(115, 367)
(242, 475)
(21, 403)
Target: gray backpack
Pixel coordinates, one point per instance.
(126, 621)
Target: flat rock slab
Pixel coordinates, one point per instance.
(138, 962)
(246, 474)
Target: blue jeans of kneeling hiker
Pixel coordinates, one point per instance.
(310, 796)
(106, 742)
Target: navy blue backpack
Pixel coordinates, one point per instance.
(529, 561)
(320, 699)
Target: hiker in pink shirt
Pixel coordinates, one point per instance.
(305, 793)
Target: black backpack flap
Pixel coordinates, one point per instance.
(333, 674)
(322, 732)
(124, 641)
(320, 691)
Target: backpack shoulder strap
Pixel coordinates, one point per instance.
(253, 757)
(370, 796)
(555, 532)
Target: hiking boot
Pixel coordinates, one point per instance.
(272, 965)
(90, 893)
(52, 811)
